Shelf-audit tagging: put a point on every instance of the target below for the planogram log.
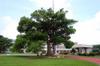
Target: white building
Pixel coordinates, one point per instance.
(60, 48)
(81, 48)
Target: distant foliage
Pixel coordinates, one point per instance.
(5, 44)
(96, 48)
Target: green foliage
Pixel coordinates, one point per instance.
(29, 43)
(68, 44)
(20, 43)
(58, 39)
(47, 24)
(35, 46)
(97, 46)
(5, 43)
(24, 24)
(87, 54)
(96, 49)
(36, 36)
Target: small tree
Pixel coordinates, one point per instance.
(20, 43)
(5, 43)
(30, 42)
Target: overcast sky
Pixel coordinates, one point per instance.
(86, 12)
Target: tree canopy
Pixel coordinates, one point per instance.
(47, 25)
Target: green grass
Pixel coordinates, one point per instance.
(97, 56)
(34, 61)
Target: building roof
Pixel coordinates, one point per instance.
(81, 45)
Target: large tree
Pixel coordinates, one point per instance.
(54, 27)
(5, 43)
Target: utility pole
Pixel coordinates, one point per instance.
(53, 4)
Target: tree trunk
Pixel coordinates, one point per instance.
(49, 46)
(54, 49)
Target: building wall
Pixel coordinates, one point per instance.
(59, 49)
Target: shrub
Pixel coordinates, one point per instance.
(87, 54)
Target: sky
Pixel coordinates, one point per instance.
(86, 12)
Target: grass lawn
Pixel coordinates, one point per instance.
(98, 56)
(34, 61)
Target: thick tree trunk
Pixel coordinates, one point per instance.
(54, 49)
(49, 51)
(49, 46)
